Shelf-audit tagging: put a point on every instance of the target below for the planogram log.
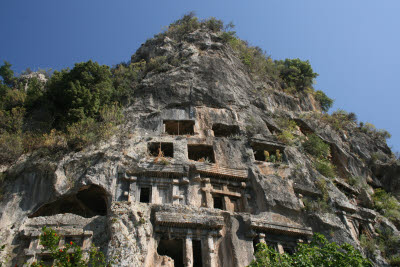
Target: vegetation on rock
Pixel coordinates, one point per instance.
(69, 255)
(387, 204)
(320, 252)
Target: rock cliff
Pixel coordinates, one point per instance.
(198, 172)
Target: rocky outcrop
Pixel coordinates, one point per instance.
(211, 194)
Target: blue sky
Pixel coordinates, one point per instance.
(353, 45)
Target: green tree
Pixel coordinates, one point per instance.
(324, 101)
(34, 92)
(320, 252)
(80, 92)
(316, 146)
(7, 74)
(297, 73)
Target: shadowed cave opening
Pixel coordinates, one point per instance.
(201, 153)
(172, 248)
(145, 194)
(179, 127)
(197, 256)
(88, 202)
(218, 202)
(267, 152)
(167, 149)
(224, 130)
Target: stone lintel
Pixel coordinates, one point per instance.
(181, 232)
(38, 251)
(263, 226)
(60, 232)
(189, 220)
(160, 170)
(215, 171)
(227, 193)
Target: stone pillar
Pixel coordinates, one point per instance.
(175, 191)
(261, 237)
(154, 194)
(211, 262)
(280, 249)
(207, 191)
(132, 189)
(34, 243)
(87, 240)
(228, 204)
(188, 252)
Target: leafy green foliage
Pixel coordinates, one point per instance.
(320, 252)
(188, 23)
(35, 92)
(7, 74)
(287, 126)
(387, 205)
(388, 243)
(325, 167)
(371, 130)
(339, 120)
(321, 203)
(316, 205)
(297, 73)
(324, 101)
(71, 255)
(126, 78)
(77, 101)
(316, 146)
(88, 131)
(79, 93)
(257, 62)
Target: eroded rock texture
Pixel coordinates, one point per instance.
(210, 196)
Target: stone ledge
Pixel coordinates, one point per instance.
(60, 232)
(160, 170)
(220, 172)
(189, 220)
(284, 228)
(306, 190)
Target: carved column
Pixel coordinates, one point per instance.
(261, 237)
(280, 249)
(175, 191)
(211, 252)
(188, 251)
(154, 194)
(132, 189)
(207, 191)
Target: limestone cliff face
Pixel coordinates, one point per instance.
(212, 195)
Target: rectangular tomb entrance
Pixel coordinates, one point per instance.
(179, 127)
(160, 149)
(145, 194)
(268, 152)
(203, 153)
(197, 256)
(224, 130)
(172, 248)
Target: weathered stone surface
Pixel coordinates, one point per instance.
(213, 209)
